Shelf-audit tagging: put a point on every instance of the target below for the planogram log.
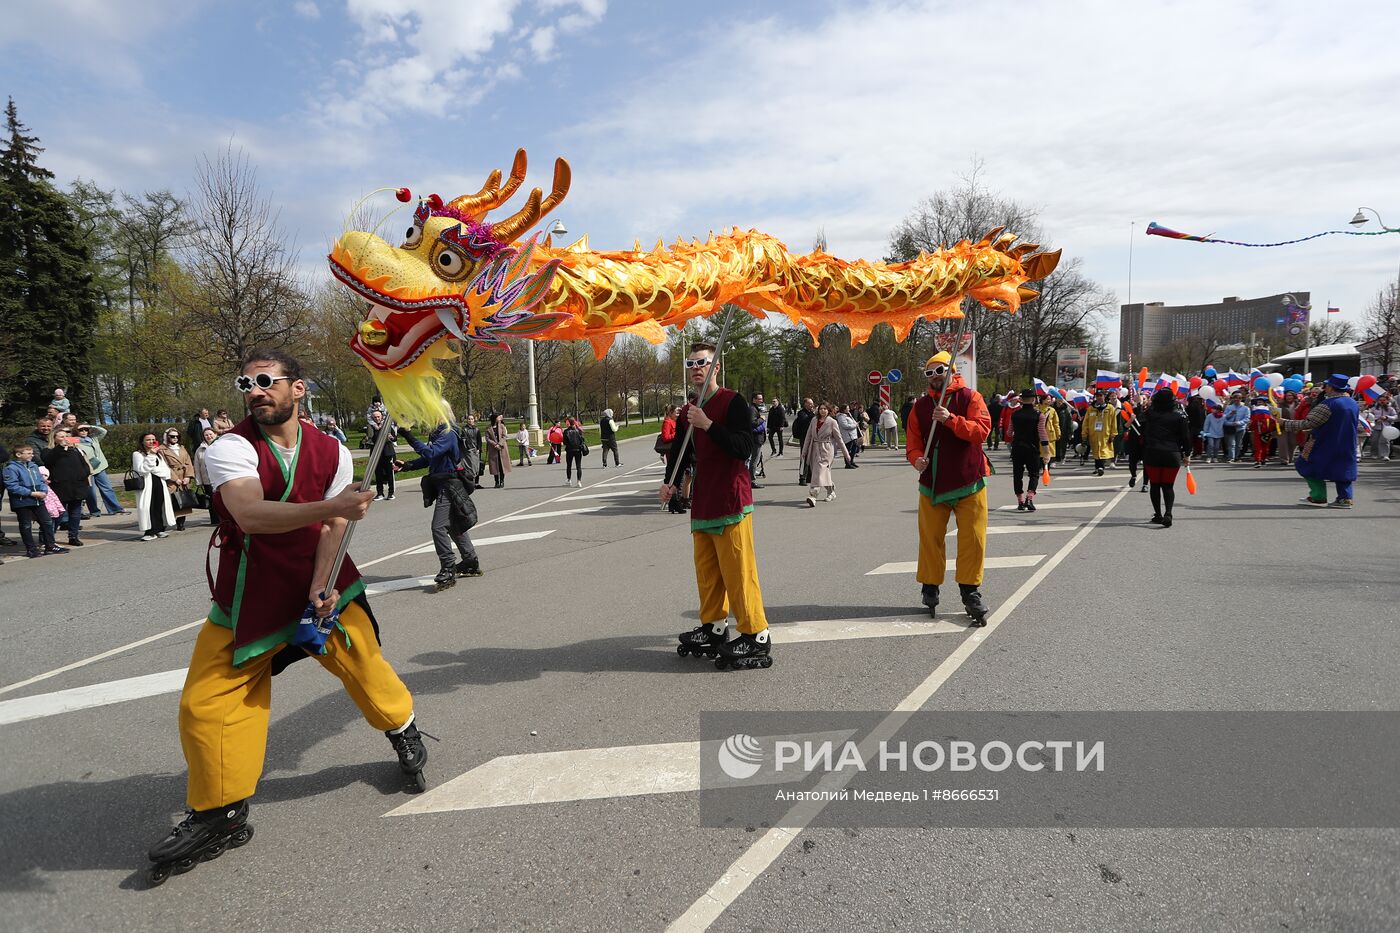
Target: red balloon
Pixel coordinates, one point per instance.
(1364, 383)
(1220, 386)
(1196, 383)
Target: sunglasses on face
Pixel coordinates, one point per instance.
(938, 370)
(245, 383)
(696, 364)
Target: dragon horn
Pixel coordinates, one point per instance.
(510, 228)
(492, 195)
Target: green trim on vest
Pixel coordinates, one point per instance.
(954, 495)
(716, 526)
(288, 473)
(221, 618)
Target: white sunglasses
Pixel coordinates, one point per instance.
(696, 364)
(245, 383)
(938, 370)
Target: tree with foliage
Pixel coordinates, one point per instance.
(47, 309)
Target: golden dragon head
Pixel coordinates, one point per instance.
(454, 277)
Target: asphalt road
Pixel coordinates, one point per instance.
(1250, 602)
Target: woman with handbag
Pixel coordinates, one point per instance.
(498, 449)
(201, 474)
(154, 511)
(182, 497)
(667, 435)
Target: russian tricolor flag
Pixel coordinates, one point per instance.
(1261, 410)
(1233, 379)
(1108, 380)
(1373, 392)
(1040, 387)
(1181, 386)
(1212, 402)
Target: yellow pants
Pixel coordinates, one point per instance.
(726, 574)
(224, 709)
(972, 538)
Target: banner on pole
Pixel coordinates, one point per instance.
(965, 357)
(1072, 368)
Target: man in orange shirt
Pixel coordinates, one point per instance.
(952, 481)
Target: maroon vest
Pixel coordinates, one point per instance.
(953, 462)
(722, 487)
(264, 579)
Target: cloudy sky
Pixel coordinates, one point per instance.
(1256, 121)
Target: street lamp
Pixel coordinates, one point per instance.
(1361, 219)
(532, 406)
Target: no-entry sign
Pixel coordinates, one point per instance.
(874, 378)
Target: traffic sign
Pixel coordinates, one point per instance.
(885, 394)
(874, 378)
(894, 375)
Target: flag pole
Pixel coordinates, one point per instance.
(714, 361)
(947, 378)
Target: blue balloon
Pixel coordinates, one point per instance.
(1294, 384)
(1262, 384)
(1210, 372)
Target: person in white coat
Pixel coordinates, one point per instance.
(154, 512)
(819, 446)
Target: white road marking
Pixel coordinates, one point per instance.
(765, 851)
(393, 586)
(629, 482)
(1023, 529)
(991, 563)
(604, 495)
(555, 514)
(498, 539)
(1114, 487)
(98, 657)
(1057, 505)
(66, 701)
(584, 774)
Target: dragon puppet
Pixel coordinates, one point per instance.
(457, 278)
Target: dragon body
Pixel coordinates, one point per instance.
(457, 278)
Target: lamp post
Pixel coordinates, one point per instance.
(1360, 220)
(532, 406)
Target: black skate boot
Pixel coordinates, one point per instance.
(1030, 502)
(446, 578)
(413, 755)
(745, 652)
(469, 568)
(974, 604)
(703, 641)
(930, 598)
(201, 836)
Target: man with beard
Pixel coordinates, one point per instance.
(952, 481)
(283, 495)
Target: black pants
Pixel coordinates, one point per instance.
(1025, 461)
(26, 516)
(383, 474)
(609, 444)
(156, 510)
(573, 460)
(1134, 458)
(775, 441)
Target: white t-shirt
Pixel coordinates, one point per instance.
(522, 436)
(232, 457)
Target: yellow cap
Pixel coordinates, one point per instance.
(942, 356)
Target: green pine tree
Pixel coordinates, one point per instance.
(47, 308)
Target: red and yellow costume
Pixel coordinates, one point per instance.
(954, 482)
(258, 598)
(721, 513)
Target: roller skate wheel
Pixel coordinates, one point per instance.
(214, 851)
(241, 837)
(721, 664)
(765, 663)
(683, 651)
(156, 875)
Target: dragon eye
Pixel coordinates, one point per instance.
(412, 237)
(449, 264)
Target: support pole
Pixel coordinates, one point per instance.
(952, 359)
(365, 481)
(714, 360)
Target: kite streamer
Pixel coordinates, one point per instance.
(1156, 229)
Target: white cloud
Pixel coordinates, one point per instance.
(306, 9)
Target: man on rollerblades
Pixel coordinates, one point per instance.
(952, 481)
(283, 497)
(721, 524)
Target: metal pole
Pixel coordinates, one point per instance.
(365, 481)
(714, 360)
(1132, 229)
(947, 378)
(532, 408)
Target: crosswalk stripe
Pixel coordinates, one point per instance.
(498, 539)
(602, 495)
(1024, 529)
(555, 514)
(393, 586)
(1057, 505)
(1115, 487)
(628, 482)
(991, 563)
(589, 774)
(105, 694)
(843, 629)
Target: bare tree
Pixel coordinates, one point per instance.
(241, 291)
(1327, 331)
(1381, 327)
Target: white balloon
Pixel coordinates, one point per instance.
(1276, 379)
(1206, 392)
(1390, 432)
(1351, 383)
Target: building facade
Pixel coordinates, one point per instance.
(1147, 327)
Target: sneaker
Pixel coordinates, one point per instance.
(389, 496)
(148, 537)
(831, 496)
(1309, 500)
(568, 482)
(7, 542)
(377, 499)
(33, 553)
(74, 542)
(811, 502)
(1156, 519)
(162, 534)
(1030, 505)
(1341, 504)
(1020, 506)
(55, 550)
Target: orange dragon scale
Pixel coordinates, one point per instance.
(456, 277)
